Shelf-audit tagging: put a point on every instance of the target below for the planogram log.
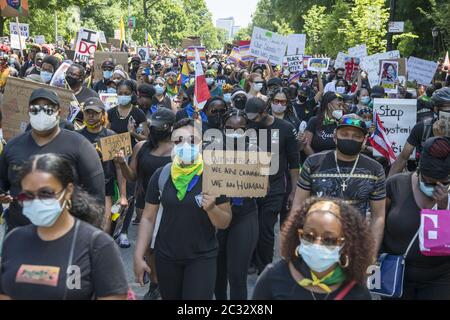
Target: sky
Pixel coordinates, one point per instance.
(241, 10)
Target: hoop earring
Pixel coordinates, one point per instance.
(69, 204)
(347, 262)
(296, 251)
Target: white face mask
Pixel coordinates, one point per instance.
(278, 108)
(340, 90)
(42, 121)
(257, 87)
(338, 114)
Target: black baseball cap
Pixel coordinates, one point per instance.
(145, 90)
(352, 120)
(377, 92)
(275, 82)
(44, 94)
(254, 106)
(108, 64)
(94, 104)
(162, 118)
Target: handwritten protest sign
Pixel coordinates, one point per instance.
(268, 44)
(119, 58)
(421, 70)
(86, 44)
(295, 63)
(296, 44)
(371, 64)
(398, 117)
(340, 60)
(235, 174)
(358, 51)
(112, 144)
(14, 30)
(318, 64)
(15, 104)
(190, 54)
(40, 39)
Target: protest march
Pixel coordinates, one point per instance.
(142, 164)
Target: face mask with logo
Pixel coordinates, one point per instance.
(159, 89)
(349, 147)
(319, 258)
(111, 90)
(365, 100)
(124, 100)
(43, 214)
(46, 76)
(278, 108)
(43, 121)
(187, 153)
(257, 87)
(107, 74)
(338, 114)
(340, 90)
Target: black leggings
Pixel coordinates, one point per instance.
(236, 246)
(186, 280)
(130, 210)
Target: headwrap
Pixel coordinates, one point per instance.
(435, 158)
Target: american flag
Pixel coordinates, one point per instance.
(380, 141)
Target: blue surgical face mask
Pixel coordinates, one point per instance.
(227, 97)
(43, 214)
(107, 74)
(111, 90)
(368, 124)
(318, 257)
(187, 153)
(365, 100)
(46, 76)
(124, 100)
(159, 89)
(428, 191)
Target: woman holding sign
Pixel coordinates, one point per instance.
(186, 244)
(407, 194)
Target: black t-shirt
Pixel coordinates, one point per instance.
(319, 175)
(100, 86)
(34, 269)
(120, 125)
(94, 138)
(417, 136)
(276, 283)
(322, 135)
(221, 80)
(166, 102)
(305, 110)
(72, 146)
(283, 135)
(185, 232)
(402, 223)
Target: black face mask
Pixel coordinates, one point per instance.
(302, 99)
(215, 121)
(261, 124)
(71, 81)
(349, 147)
(239, 103)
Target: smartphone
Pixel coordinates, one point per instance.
(146, 277)
(148, 71)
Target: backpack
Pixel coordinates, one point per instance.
(162, 180)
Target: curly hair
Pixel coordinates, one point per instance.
(359, 242)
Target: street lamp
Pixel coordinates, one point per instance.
(435, 32)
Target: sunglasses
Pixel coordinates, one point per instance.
(46, 196)
(328, 241)
(35, 109)
(189, 140)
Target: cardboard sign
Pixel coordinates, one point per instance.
(296, 44)
(14, 30)
(190, 54)
(235, 174)
(40, 39)
(86, 45)
(398, 117)
(358, 51)
(143, 53)
(116, 57)
(389, 76)
(269, 45)
(318, 64)
(114, 42)
(295, 63)
(101, 37)
(191, 42)
(371, 65)
(15, 104)
(109, 100)
(112, 144)
(421, 70)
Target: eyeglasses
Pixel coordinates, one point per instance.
(282, 102)
(48, 109)
(46, 196)
(189, 140)
(326, 241)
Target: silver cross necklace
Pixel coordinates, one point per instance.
(344, 184)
